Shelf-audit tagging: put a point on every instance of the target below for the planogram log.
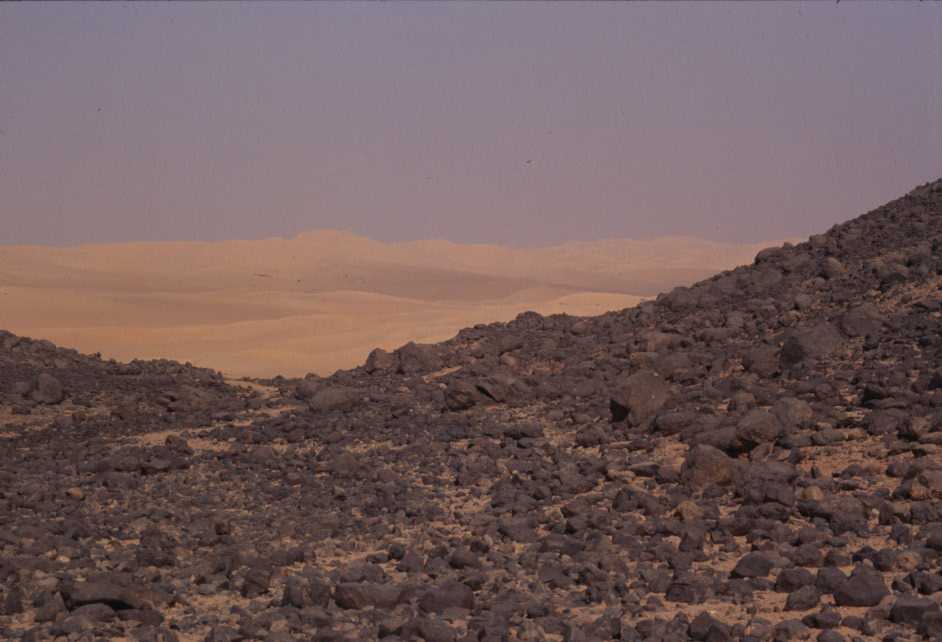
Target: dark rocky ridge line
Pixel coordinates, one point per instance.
(753, 457)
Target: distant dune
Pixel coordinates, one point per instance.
(323, 300)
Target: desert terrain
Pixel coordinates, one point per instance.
(323, 300)
(756, 457)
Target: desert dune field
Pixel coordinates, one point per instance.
(322, 300)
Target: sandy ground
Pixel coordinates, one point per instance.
(322, 300)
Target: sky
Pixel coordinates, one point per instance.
(524, 124)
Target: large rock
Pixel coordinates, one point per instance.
(931, 625)
(672, 364)
(792, 579)
(810, 343)
(416, 358)
(706, 465)
(758, 427)
(845, 513)
(257, 581)
(639, 398)
(862, 320)
(864, 587)
(381, 361)
(706, 627)
(48, 390)
(752, 565)
(354, 595)
(802, 599)
(832, 268)
(302, 591)
(761, 360)
(435, 630)
(793, 413)
(911, 609)
(687, 588)
(461, 395)
(448, 594)
(118, 595)
(333, 398)
(308, 388)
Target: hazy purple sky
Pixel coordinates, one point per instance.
(514, 123)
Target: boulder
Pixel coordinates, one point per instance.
(415, 358)
(706, 465)
(832, 268)
(461, 395)
(758, 427)
(358, 595)
(911, 609)
(752, 565)
(802, 599)
(380, 361)
(333, 398)
(761, 360)
(864, 587)
(810, 343)
(308, 388)
(117, 595)
(639, 398)
(48, 390)
(793, 413)
(862, 320)
(448, 594)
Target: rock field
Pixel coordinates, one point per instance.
(755, 457)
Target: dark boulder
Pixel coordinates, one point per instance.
(380, 361)
(358, 595)
(334, 398)
(810, 343)
(415, 358)
(462, 395)
(752, 565)
(48, 390)
(802, 599)
(910, 609)
(706, 465)
(864, 587)
(448, 594)
(758, 427)
(639, 398)
(116, 594)
(862, 320)
(761, 360)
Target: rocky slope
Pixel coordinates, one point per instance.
(755, 457)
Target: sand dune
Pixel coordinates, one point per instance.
(322, 300)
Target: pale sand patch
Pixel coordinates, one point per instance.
(323, 300)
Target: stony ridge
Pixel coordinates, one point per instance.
(755, 457)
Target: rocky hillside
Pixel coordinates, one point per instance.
(755, 457)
